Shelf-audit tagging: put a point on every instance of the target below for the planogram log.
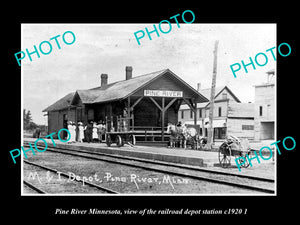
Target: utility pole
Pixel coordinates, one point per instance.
(212, 98)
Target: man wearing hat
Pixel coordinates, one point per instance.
(89, 132)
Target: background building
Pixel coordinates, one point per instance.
(230, 116)
(265, 109)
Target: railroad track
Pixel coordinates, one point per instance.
(34, 187)
(263, 185)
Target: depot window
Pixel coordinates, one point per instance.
(200, 113)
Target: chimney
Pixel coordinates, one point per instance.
(198, 86)
(104, 79)
(128, 72)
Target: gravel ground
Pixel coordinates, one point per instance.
(120, 178)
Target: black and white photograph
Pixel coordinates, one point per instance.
(175, 108)
(145, 111)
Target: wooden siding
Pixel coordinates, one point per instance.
(235, 127)
(56, 119)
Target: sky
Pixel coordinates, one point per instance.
(109, 48)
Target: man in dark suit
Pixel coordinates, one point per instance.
(89, 132)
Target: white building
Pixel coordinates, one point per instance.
(265, 109)
(230, 116)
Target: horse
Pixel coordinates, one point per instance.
(190, 134)
(183, 134)
(175, 133)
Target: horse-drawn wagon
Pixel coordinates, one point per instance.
(118, 131)
(186, 134)
(234, 147)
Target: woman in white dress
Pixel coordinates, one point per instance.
(73, 133)
(100, 131)
(70, 131)
(95, 134)
(80, 134)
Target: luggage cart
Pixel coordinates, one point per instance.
(118, 131)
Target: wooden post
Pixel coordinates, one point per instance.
(112, 128)
(195, 114)
(132, 121)
(76, 124)
(128, 108)
(128, 113)
(163, 119)
(212, 98)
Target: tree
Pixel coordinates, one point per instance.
(28, 124)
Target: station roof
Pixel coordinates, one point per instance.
(117, 90)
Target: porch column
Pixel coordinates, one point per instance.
(128, 107)
(163, 109)
(195, 114)
(131, 108)
(163, 119)
(76, 124)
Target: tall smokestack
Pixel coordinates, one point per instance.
(104, 78)
(128, 70)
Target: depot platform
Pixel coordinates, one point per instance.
(172, 155)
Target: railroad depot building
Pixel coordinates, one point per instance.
(230, 116)
(151, 101)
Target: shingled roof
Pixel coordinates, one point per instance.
(114, 91)
(117, 90)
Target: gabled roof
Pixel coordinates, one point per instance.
(118, 90)
(218, 91)
(62, 103)
(206, 93)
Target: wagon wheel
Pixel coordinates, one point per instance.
(119, 141)
(224, 159)
(108, 140)
(132, 139)
(242, 161)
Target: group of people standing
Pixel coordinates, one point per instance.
(91, 132)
